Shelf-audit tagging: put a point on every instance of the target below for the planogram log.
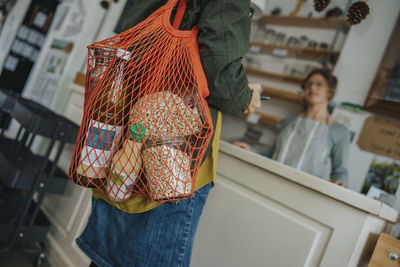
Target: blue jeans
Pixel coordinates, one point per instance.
(160, 237)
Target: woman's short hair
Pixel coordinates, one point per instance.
(328, 76)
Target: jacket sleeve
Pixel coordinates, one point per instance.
(340, 157)
(224, 30)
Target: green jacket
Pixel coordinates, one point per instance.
(224, 31)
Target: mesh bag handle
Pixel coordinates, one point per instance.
(180, 12)
(146, 124)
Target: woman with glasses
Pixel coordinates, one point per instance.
(306, 142)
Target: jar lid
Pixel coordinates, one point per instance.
(137, 131)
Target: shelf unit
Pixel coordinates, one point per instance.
(309, 22)
(284, 95)
(268, 119)
(275, 76)
(27, 177)
(297, 52)
(325, 56)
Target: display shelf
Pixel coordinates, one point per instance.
(268, 119)
(276, 76)
(7, 100)
(17, 198)
(297, 52)
(20, 166)
(281, 94)
(319, 23)
(30, 175)
(38, 119)
(10, 216)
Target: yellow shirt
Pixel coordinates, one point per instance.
(206, 174)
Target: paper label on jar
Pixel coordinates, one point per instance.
(124, 54)
(177, 184)
(120, 184)
(101, 142)
(120, 178)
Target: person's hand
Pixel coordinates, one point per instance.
(242, 145)
(338, 183)
(255, 101)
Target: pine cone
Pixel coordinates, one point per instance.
(320, 5)
(357, 12)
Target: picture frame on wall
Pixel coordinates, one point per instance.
(384, 95)
(41, 18)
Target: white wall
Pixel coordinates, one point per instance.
(288, 6)
(84, 16)
(363, 50)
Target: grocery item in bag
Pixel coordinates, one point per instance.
(126, 165)
(167, 154)
(167, 115)
(168, 169)
(104, 121)
(161, 85)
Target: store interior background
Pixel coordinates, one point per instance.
(361, 51)
(80, 23)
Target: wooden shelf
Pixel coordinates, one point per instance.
(322, 23)
(281, 94)
(298, 52)
(276, 76)
(268, 119)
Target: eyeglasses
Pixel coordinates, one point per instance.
(308, 85)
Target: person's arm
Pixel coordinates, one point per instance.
(223, 38)
(269, 152)
(340, 158)
(224, 30)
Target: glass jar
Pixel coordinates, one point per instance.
(303, 41)
(280, 38)
(293, 41)
(168, 168)
(312, 44)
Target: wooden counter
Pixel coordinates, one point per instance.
(263, 213)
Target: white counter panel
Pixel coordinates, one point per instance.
(247, 229)
(262, 213)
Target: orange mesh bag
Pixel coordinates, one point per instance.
(146, 124)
